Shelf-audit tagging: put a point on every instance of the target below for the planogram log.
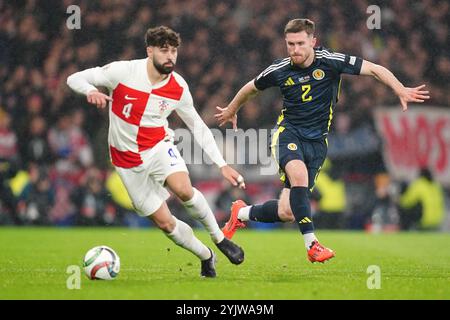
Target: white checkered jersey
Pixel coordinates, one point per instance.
(139, 110)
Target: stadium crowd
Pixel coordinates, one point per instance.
(54, 144)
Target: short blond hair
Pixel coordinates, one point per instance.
(299, 25)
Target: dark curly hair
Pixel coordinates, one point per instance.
(162, 36)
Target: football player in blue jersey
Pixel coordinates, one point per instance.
(309, 81)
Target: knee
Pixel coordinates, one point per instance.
(298, 180)
(166, 226)
(185, 193)
(297, 173)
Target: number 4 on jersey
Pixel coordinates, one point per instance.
(127, 110)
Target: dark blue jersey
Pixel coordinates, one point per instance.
(309, 94)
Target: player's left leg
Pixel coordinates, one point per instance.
(301, 209)
(195, 203)
(299, 204)
(198, 208)
(271, 211)
(149, 200)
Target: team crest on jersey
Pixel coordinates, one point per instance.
(318, 74)
(292, 146)
(163, 105)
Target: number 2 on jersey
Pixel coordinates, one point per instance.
(305, 89)
(127, 110)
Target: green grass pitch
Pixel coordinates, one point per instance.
(33, 264)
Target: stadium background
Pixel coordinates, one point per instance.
(53, 150)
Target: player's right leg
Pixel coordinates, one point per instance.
(149, 200)
(269, 212)
(182, 235)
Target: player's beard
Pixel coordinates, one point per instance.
(300, 60)
(163, 68)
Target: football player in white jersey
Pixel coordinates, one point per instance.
(143, 93)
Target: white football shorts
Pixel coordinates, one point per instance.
(145, 183)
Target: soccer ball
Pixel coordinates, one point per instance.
(101, 263)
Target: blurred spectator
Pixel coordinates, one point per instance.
(93, 204)
(59, 138)
(122, 202)
(330, 195)
(354, 147)
(37, 147)
(69, 142)
(8, 168)
(8, 138)
(385, 217)
(33, 107)
(36, 199)
(7, 199)
(118, 191)
(422, 204)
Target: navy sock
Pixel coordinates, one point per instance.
(301, 208)
(266, 212)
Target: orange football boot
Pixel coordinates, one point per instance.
(234, 223)
(319, 253)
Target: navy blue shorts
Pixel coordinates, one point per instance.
(287, 146)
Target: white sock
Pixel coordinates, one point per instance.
(244, 213)
(199, 209)
(183, 236)
(309, 239)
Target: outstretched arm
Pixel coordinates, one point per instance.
(86, 81)
(385, 76)
(205, 139)
(228, 114)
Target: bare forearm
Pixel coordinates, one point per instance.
(202, 133)
(406, 95)
(244, 94)
(387, 77)
(383, 75)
